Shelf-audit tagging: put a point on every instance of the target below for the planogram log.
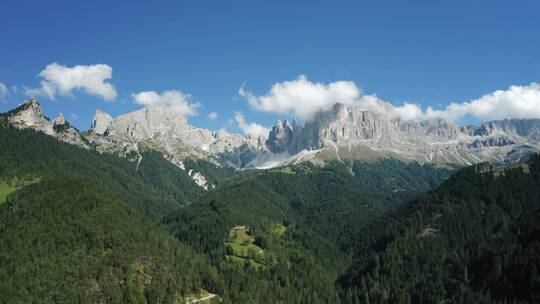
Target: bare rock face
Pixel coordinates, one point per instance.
(352, 125)
(280, 137)
(101, 122)
(60, 120)
(29, 115)
(353, 129)
(527, 128)
(200, 180)
(165, 130)
(147, 122)
(342, 133)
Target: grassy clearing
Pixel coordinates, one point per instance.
(243, 260)
(8, 187)
(292, 170)
(243, 243)
(244, 248)
(279, 229)
(285, 170)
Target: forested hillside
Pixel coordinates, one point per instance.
(321, 209)
(74, 231)
(80, 226)
(66, 241)
(473, 240)
(26, 153)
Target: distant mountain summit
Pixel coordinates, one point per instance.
(165, 130)
(30, 115)
(343, 133)
(350, 132)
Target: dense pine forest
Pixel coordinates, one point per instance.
(96, 228)
(472, 240)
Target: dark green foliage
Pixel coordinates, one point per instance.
(336, 202)
(299, 253)
(65, 241)
(167, 178)
(214, 175)
(508, 264)
(474, 239)
(58, 128)
(170, 179)
(87, 231)
(323, 207)
(398, 180)
(28, 153)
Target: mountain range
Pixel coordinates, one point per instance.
(143, 225)
(344, 133)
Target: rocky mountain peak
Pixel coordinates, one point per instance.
(350, 129)
(59, 120)
(295, 124)
(343, 132)
(280, 137)
(29, 106)
(168, 131)
(221, 134)
(30, 115)
(32, 103)
(147, 122)
(529, 128)
(101, 122)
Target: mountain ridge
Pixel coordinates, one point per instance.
(340, 225)
(343, 133)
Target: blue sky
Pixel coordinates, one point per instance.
(430, 53)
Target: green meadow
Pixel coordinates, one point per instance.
(8, 187)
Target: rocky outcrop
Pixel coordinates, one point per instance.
(351, 125)
(163, 129)
(342, 133)
(527, 128)
(200, 180)
(29, 115)
(101, 122)
(434, 140)
(280, 137)
(59, 120)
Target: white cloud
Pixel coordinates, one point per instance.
(176, 100)
(212, 115)
(407, 111)
(3, 91)
(250, 128)
(515, 102)
(62, 80)
(302, 97)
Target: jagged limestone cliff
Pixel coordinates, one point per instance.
(342, 133)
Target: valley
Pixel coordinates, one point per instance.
(340, 231)
(269, 152)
